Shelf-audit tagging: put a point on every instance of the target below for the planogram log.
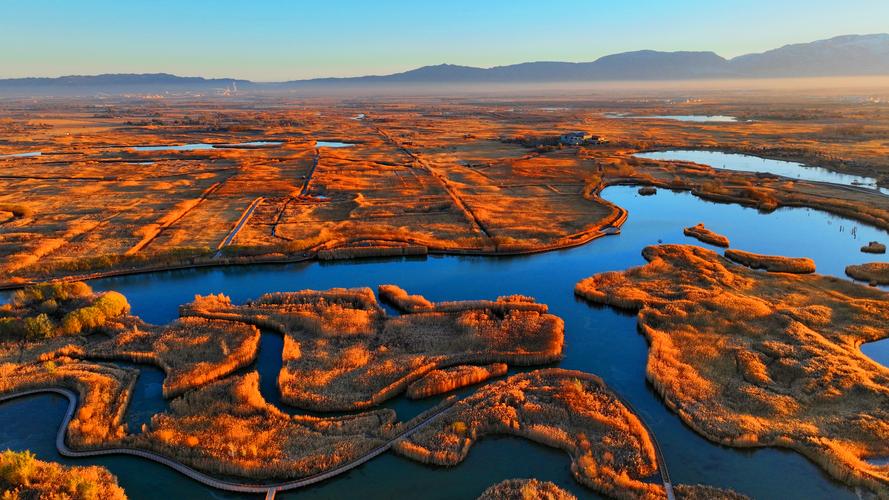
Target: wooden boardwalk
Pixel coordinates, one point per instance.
(268, 489)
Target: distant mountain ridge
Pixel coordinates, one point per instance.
(129, 80)
(849, 55)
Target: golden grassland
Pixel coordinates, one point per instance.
(762, 359)
(705, 492)
(43, 334)
(342, 352)
(23, 477)
(707, 236)
(875, 273)
(434, 175)
(227, 427)
(400, 299)
(221, 427)
(761, 191)
(104, 389)
(610, 449)
(533, 489)
(448, 379)
(191, 351)
(520, 489)
(772, 263)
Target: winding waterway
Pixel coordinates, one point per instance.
(599, 340)
(748, 163)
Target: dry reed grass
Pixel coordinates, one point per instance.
(610, 449)
(707, 236)
(772, 263)
(875, 273)
(228, 428)
(23, 477)
(104, 390)
(341, 351)
(525, 489)
(401, 300)
(191, 351)
(874, 247)
(762, 359)
(448, 177)
(448, 379)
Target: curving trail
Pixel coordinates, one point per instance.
(268, 489)
(661, 462)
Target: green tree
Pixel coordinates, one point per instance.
(16, 468)
(39, 327)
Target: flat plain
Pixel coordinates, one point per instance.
(152, 184)
(93, 189)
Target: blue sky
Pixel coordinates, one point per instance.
(280, 40)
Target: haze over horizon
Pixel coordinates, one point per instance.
(279, 41)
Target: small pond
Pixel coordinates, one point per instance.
(333, 144)
(22, 155)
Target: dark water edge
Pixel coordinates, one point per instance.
(599, 340)
(877, 351)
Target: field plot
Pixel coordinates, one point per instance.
(88, 189)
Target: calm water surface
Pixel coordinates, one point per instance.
(204, 145)
(877, 351)
(22, 155)
(175, 147)
(599, 340)
(333, 144)
(681, 118)
(748, 163)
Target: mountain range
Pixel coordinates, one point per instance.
(849, 55)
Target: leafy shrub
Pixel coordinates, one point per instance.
(51, 291)
(16, 468)
(39, 327)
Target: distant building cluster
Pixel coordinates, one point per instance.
(580, 138)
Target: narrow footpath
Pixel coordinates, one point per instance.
(268, 489)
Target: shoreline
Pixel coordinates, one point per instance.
(207, 479)
(608, 226)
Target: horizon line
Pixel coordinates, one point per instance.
(414, 68)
